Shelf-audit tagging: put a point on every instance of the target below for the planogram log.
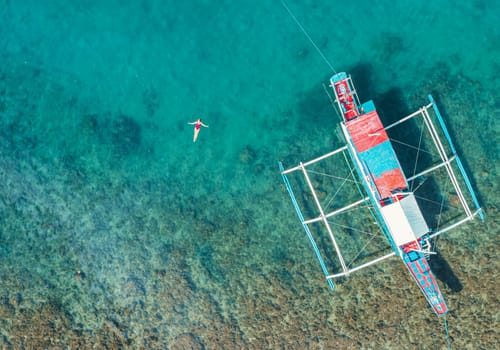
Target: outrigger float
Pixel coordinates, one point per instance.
(384, 193)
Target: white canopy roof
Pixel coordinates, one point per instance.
(404, 220)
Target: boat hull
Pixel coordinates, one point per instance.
(419, 268)
(382, 175)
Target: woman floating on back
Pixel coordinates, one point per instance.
(197, 126)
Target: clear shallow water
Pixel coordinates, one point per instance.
(181, 244)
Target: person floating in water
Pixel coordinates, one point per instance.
(197, 126)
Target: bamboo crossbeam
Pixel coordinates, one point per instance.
(338, 211)
(426, 171)
(325, 221)
(414, 114)
(362, 266)
(298, 167)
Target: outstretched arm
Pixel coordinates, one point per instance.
(192, 123)
(206, 126)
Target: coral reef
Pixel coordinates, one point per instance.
(116, 232)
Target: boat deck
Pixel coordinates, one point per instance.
(376, 152)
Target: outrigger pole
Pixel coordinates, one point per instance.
(323, 217)
(306, 228)
(386, 189)
(414, 258)
(325, 221)
(346, 270)
(446, 162)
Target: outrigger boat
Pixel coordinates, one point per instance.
(374, 170)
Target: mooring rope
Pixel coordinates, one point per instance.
(447, 333)
(332, 103)
(410, 146)
(307, 35)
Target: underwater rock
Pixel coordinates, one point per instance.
(150, 100)
(91, 122)
(17, 300)
(126, 135)
(258, 169)
(186, 341)
(121, 131)
(247, 155)
(79, 275)
(134, 287)
(392, 44)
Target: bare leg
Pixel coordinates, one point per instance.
(196, 132)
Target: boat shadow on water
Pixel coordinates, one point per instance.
(413, 157)
(443, 272)
(393, 106)
(420, 158)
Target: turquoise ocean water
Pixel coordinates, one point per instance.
(118, 232)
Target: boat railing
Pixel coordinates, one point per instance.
(447, 158)
(338, 78)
